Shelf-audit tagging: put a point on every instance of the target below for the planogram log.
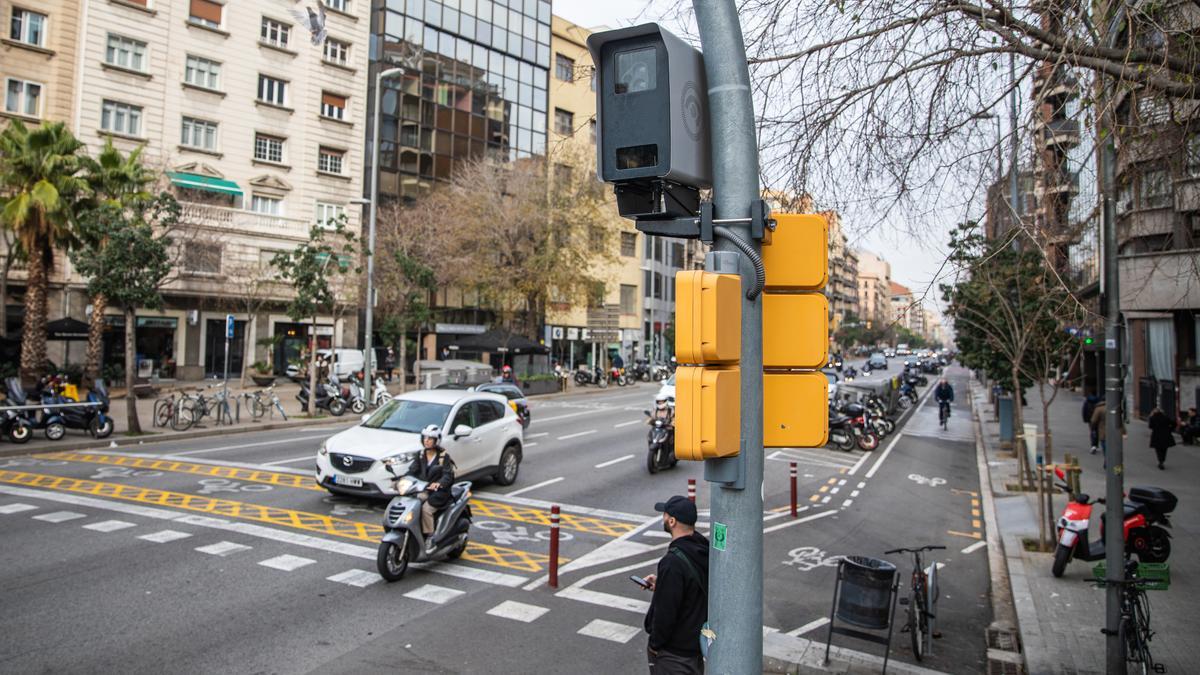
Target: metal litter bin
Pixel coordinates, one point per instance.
(866, 592)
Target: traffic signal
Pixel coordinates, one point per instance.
(708, 338)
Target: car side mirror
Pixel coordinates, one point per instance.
(462, 431)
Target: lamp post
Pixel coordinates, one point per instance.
(373, 200)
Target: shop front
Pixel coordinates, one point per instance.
(292, 343)
(154, 345)
(214, 348)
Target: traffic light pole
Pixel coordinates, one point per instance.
(735, 594)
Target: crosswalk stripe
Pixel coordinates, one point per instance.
(16, 508)
(608, 630)
(223, 548)
(165, 536)
(287, 562)
(439, 595)
(108, 526)
(517, 611)
(356, 578)
(59, 516)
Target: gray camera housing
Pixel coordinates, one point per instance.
(652, 122)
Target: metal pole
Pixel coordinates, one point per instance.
(1013, 199)
(368, 375)
(225, 385)
(735, 598)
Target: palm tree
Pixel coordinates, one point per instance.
(39, 187)
(115, 180)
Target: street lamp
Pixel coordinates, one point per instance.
(373, 200)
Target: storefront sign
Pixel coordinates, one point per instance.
(459, 329)
(572, 333)
(557, 333)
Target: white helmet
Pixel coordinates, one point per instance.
(432, 431)
(660, 401)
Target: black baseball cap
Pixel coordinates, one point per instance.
(679, 508)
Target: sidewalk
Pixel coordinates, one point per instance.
(1060, 619)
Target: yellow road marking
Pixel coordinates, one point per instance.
(831, 481)
(975, 513)
(814, 498)
(968, 535)
(975, 503)
(824, 488)
(964, 492)
(490, 509)
(310, 522)
(976, 524)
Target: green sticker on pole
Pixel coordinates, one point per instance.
(718, 533)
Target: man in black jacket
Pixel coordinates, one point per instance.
(679, 607)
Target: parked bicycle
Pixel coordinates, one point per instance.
(1134, 631)
(262, 401)
(922, 601)
(190, 409)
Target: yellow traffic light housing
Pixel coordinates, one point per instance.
(795, 410)
(707, 412)
(797, 257)
(795, 330)
(708, 317)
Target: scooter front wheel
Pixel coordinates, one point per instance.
(392, 559)
(1062, 556)
(358, 407)
(20, 433)
(337, 407)
(101, 429)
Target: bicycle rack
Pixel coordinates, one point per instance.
(866, 607)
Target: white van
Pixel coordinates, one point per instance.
(345, 361)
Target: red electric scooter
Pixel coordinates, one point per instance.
(1145, 510)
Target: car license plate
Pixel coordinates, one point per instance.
(347, 481)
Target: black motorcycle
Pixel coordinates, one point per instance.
(91, 418)
(14, 426)
(660, 453)
(640, 370)
(585, 376)
(328, 398)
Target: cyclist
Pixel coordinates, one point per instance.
(944, 395)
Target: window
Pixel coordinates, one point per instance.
(330, 160)
(564, 68)
(1193, 155)
(487, 412)
(629, 244)
(329, 215)
(1156, 189)
(23, 98)
(272, 90)
(121, 118)
(200, 134)
(275, 33)
(628, 299)
(337, 51)
(268, 148)
(28, 27)
(564, 122)
(271, 206)
(339, 5)
(333, 106)
(202, 257)
(125, 53)
(205, 13)
(202, 72)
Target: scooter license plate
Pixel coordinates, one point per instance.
(347, 481)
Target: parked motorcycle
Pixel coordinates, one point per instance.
(860, 426)
(585, 376)
(403, 542)
(90, 418)
(1146, 512)
(328, 398)
(660, 372)
(841, 433)
(352, 393)
(640, 370)
(14, 426)
(617, 375)
(660, 451)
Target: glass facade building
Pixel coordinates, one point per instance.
(474, 85)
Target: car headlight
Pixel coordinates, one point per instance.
(323, 450)
(397, 460)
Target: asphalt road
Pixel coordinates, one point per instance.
(220, 554)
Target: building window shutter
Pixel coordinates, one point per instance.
(207, 10)
(333, 100)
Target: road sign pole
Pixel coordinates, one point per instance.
(735, 609)
(229, 326)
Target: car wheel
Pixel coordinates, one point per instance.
(510, 466)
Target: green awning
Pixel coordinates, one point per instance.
(196, 181)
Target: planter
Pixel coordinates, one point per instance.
(262, 380)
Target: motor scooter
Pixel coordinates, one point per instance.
(14, 426)
(585, 375)
(403, 542)
(352, 393)
(1145, 510)
(841, 433)
(660, 451)
(328, 398)
(92, 418)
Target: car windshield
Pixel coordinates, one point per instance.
(671, 380)
(406, 415)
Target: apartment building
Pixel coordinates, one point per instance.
(874, 281)
(842, 289)
(260, 136)
(38, 57)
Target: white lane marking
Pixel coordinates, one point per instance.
(879, 462)
(862, 485)
(842, 482)
(164, 536)
(819, 514)
(517, 611)
(825, 499)
(438, 595)
(581, 433)
(535, 486)
(834, 491)
(251, 445)
(625, 424)
(610, 462)
(544, 433)
(566, 508)
(531, 445)
(223, 548)
(109, 525)
(576, 591)
(854, 493)
(806, 462)
(811, 625)
(17, 508)
(306, 458)
(283, 536)
(608, 630)
(543, 420)
(356, 578)
(286, 562)
(974, 547)
(59, 516)
(847, 503)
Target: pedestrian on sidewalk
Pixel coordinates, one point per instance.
(1161, 436)
(1100, 428)
(679, 607)
(389, 362)
(1089, 406)
(1189, 427)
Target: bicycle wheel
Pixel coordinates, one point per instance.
(1140, 640)
(257, 407)
(184, 415)
(163, 408)
(917, 625)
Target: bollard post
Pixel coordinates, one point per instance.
(692, 490)
(792, 475)
(554, 546)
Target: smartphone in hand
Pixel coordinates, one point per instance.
(639, 581)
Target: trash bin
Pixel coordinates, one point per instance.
(1004, 408)
(865, 598)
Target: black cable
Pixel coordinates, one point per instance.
(760, 272)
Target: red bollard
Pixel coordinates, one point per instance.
(554, 546)
(692, 490)
(792, 473)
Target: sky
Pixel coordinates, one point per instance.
(914, 262)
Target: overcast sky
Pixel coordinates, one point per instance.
(914, 263)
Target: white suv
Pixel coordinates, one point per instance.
(480, 431)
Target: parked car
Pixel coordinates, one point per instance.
(345, 362)
(889, 353)
(668, 388)
(481, 432)
(516, 398)
(902, 349)
(878, 361)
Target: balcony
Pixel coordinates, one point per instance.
(245, 222)
(1050, 81)
(1061, 133)
(1187, 195)
(1057, 182)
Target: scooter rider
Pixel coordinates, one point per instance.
(662, 411)
(944, 395)
(435, 467)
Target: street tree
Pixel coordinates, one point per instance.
(12, 255)
(125, 254)
(256, 289)
(40, 182)
(310, 269)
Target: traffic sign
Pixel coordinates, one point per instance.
(228, 326)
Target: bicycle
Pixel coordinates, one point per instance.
(1134, 631)
(921, 601)
(164, 410)
(943, 413)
